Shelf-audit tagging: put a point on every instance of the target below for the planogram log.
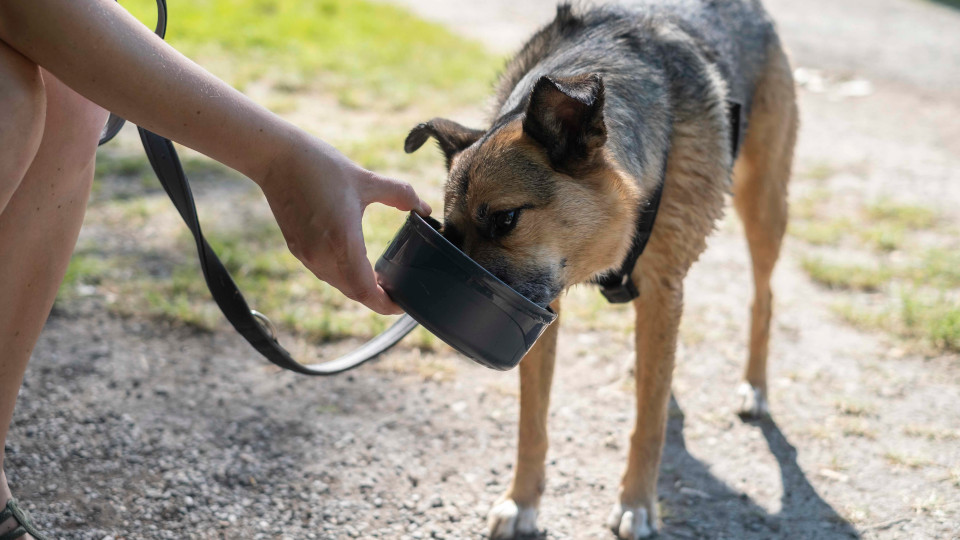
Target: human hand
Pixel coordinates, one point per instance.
(318, 197)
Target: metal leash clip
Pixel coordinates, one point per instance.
(265, 323)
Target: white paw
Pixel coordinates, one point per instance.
(753, 401)
(632, 522)
(507, 520)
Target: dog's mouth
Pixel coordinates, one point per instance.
(437, 226)
(541, 290)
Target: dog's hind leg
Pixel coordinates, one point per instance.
(760, 196)
(515, 513)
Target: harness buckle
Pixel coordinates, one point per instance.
(620, 293)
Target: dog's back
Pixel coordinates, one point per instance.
(662, 61)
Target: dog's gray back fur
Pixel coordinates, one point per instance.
(662, 62)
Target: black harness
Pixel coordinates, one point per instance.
(618, 286)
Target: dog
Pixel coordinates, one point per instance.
(598, 109)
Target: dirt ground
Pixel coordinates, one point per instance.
(130, 428)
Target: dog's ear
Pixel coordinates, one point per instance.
(565, 115)
(452, 137)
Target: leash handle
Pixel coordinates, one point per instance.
(252, 325)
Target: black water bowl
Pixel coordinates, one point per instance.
(458, 300)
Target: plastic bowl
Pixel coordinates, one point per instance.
(457, 299)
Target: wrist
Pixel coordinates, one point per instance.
(279, 153)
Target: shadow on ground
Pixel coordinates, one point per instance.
(719, 511)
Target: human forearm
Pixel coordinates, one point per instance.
(102, 52)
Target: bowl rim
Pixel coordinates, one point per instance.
(479, 274)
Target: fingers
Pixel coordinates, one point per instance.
(395, 193)
(359, 281)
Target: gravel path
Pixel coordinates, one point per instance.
(134, 429)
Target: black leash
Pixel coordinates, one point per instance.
(255, 327)
(618, 286)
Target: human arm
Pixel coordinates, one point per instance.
(317, 195)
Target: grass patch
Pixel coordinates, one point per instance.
(87, 268)
(903, 215)
(931, 433)
(845, 276)
(921, 286)
(906, 460)
(933, 320)
(938, 268)
(366, 53)
(821, 233)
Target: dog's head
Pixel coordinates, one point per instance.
(535, 199)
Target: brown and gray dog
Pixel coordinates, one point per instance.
(587, 115)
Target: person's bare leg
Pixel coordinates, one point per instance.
(39, 226)
(22, 107)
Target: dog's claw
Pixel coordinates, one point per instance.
(631, 523)
(753, 401)
(507, 520)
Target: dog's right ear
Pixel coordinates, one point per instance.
(565, 115)
(452, 137)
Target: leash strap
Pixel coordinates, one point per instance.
(255, 327)
(618, 287)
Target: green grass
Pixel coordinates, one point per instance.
(821, 233)
(935, 320)
(906, 216)
(919, 286)
(845, 276)
(932, 320)
(86, 268)
(368, 54)
(939, 268)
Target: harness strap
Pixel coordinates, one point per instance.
(253, 326)
(618, 287)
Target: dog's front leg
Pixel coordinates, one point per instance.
(515, 513)
(657, 319)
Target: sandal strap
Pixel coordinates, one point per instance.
(19, 532)
(25, 527)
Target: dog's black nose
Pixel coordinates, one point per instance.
(452, 234)
(433, 223)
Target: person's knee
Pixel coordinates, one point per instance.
(73, 121)
(22, 100)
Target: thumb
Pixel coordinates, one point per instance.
(395, 193)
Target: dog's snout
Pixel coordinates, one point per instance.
(452, 234)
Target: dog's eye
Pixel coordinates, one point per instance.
(502, 223)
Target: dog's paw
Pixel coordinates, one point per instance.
(507, 520)
(753, 401)
(632, 522)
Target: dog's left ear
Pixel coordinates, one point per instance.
(565, 115)
(452, 137)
